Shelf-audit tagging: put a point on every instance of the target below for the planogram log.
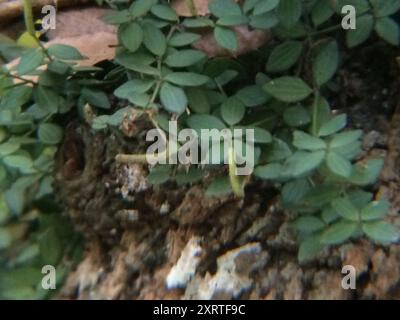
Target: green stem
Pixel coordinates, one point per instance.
(237, 187)
(314, 126)
(28, 16)
(327, 30)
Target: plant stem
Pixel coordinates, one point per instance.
(28, 17)
(327, 30)
(237, 187)
(314, 126)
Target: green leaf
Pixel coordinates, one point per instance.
(365, 25)
(198, 100)
(345, 208)
(339, 232)
(367, 173)
(154, 40)
(284, 56)
(116, 17)
(229, 21)
(159, 175)
(140, 7)
(30, 61)
(279, 151)
(192, 176)
(303, 162)
(21, 162)
(296, 116)
(326, 62)
(388, 30)
(309, 248)
(15, 97)
(46, 99)
(51, 248)
(232, 111)
(264, 21)
(252, 96)
(9, 147)
(226, 38)
(334, 125)
(187, 79)
(164, 12)
(270, 171)
(204, 121)
(265, 6)
(131, 36)
(385, 7)
(381, 231)
(321, 12)
(183, 39)
(49, 133)
(65, 52)
(305, 141)
(309, 224)
(133, 86)
(219, 187)
(294, 191)
(289, 12)
(96, 98)
(184, 58)
(221, 8)
(173, 98)
(261, 135)
(338, 164)
(288, 89)
(375, 210)
(345, 138)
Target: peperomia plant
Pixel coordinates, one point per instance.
(300, 144)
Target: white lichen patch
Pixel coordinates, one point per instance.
(232, 277)
(185, 268)
(131, 179)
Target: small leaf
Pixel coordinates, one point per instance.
(183, 39)
(296, 116)
(305, 141)
(153, 39)
(338, 164)
(375, 210)
(388, 30)
(365, 25)
(131, 36)
(140, 7)
(339, 232)
(345, 208)
(219, 187)
(284, 56)
(198, 100)
(96, 98)
(49, 133)
(159, 175)
(164, 12)
(381, 231)
(226, 38)
(309, 224)
(334, 125)
(173, 98)
(221, 8)
(309, 248)
(265, 6)
(303, 162)
(30, 61)
(345, 138)
(204, 121)
(232, 111)
(326, 62)
(252, 96)
(184, 58)
(288, 89)
(289, 12)
(65, 52)
(187, 79)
